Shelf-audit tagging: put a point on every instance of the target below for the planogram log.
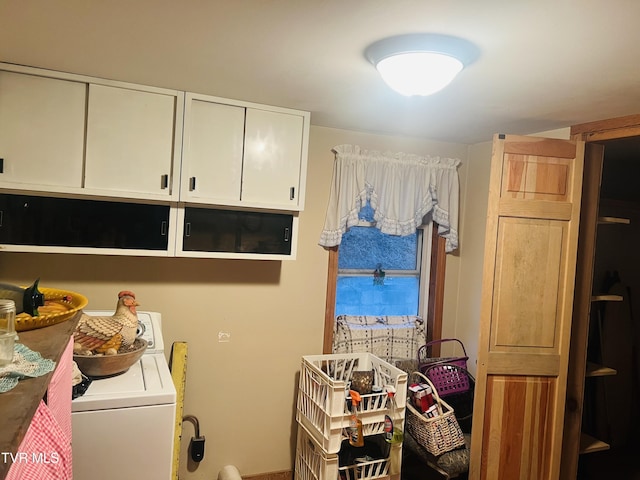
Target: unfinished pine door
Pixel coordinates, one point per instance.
(528, 285)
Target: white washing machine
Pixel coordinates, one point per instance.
(123, 426)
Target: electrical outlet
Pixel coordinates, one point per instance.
(224, 337)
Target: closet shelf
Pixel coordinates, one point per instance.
(607, 298)
(595, 370)
(589, 444)
(613, 220)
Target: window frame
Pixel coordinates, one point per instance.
(435, 263)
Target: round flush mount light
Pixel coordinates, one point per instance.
(420, 64)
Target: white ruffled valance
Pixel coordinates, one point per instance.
(401, 188)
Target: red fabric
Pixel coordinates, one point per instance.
(45, 451)
(59, 391)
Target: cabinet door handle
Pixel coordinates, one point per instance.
(1, 217)
(192, 184)
(286, 234)
(292, 193)
(187, 229)
(164, 181)
(1, 165)
(163, 228)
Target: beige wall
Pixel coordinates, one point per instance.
(243, 392)
(472, 231)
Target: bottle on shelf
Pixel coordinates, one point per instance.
(356, 438)
(393, 420)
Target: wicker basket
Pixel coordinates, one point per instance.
(72, 300)
(456, 386)
(438, 434)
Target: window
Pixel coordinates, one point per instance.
(413, 269)
(404, 189)
(378, 274)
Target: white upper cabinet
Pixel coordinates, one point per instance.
(85, 136)
(91, 137)
(212, 151)
(243, 154)
(130, 141)
(41, 131)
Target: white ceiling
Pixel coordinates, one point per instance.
(543, 64)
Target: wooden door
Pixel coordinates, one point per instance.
(528, 284)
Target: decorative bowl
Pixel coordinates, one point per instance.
(110, 365)
(69, 302)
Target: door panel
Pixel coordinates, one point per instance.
(212, 155)
(518, 437)
(538, 178)
(528, 282)
(527, 274)
(130, 140)
(272, 158)
(42, 123)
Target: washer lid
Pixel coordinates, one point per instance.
(147, 382)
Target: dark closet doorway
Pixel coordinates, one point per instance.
(610, 171)
(610, 405)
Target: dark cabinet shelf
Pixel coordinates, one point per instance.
(237, 231)
(589, 444)
(64, 222)
(613, 221)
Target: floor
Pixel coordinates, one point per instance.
(413, 469)
(623, 464)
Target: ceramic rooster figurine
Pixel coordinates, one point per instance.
(106, 334)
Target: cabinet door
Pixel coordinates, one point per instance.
(212, 152)
(66, 222)
(527, 300)
(130, 141)
(42, 123)
(272, 158)
(231, 231)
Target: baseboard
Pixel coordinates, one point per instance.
(282, 475)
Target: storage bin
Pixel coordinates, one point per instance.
(322, 406)
(365, 470)
(424, 361)
(313, 463)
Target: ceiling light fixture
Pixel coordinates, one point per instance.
(420, 64)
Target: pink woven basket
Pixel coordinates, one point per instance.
(446, 379)
(425, 361)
